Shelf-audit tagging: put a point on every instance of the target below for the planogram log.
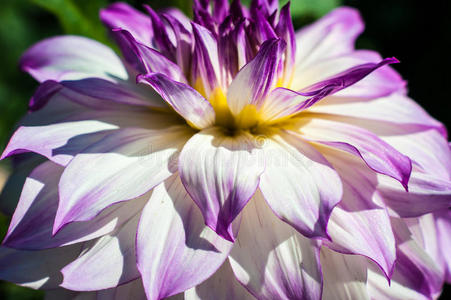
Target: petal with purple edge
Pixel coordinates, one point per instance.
(122, 15)
(106, 262)
(293, 184)
(71, 57)
(271, 259)
(36, 269)
(390, 112)
(145, 59)
(32, 222)
(248, 89)
(221, 173)
(416, 275)
(285, 30)
(122, 166)
(344, 276)
(381, 82)
(377, 154)
(222, 285)
(332, 35)
(187, 251)
(205, 65)
(351, 225)
(443, 225)
(196, 110)
(283, 102)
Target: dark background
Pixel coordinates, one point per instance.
(415, 32)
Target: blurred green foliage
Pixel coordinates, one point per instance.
(24, 22)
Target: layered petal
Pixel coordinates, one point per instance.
(248, 89)
(145, 59)
(377, 154)
(106, 262)
(222, 285)
(36, 269)
(32, 222)
(271, 259)
(416, 275)
(122, 166)
(196, 110)
(330, 36)
(293, 184)
(351, 225)
(175, 250)
(70, 58)
(344, 276)
(122, 15)
(284, 102)
(221, 173)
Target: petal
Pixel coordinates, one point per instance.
(352, 223)
(248, 89)
(132, 290)
(145, 59)
(443, 224)
(185, 100)
(70, 58)
(416, 275)
(394, 110)
(186, 252)
(122, 166)
(293, 184)
(330, 36)
(284, 102)
(381, 82)
(221, 173)
(106, 262)
(222, 285)
(426, 194)
(122, 15)
(344, 276)
(36, 269)
(32, 222)
(65, 126)
(206, 69)
(377, 154)
(271, 259)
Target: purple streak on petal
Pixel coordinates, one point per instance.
(122, 15)
(187, 252)
(377, 154)
(265, 7)
(263, 31)
(443, 225)
(221, 173)
(44, 92)
(184, 40)
(237, 10)
(162, 34)
(285, 30)
(71, 57)
(304, 204)
(122, 166)
(145, 59)
(31, 224)
(205, 61)
(184, 99)
(286, 102)
(220, 10)
(247, 88)
(426, 194)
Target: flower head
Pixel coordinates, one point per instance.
(227, 157)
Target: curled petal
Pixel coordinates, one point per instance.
(71, 57)
(221, 173)
(293, 184)
(175, 250)
(271, 259)
(122, 166)
(185, 100)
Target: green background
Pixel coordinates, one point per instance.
(414, 32)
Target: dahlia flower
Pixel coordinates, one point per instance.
(228, 157)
